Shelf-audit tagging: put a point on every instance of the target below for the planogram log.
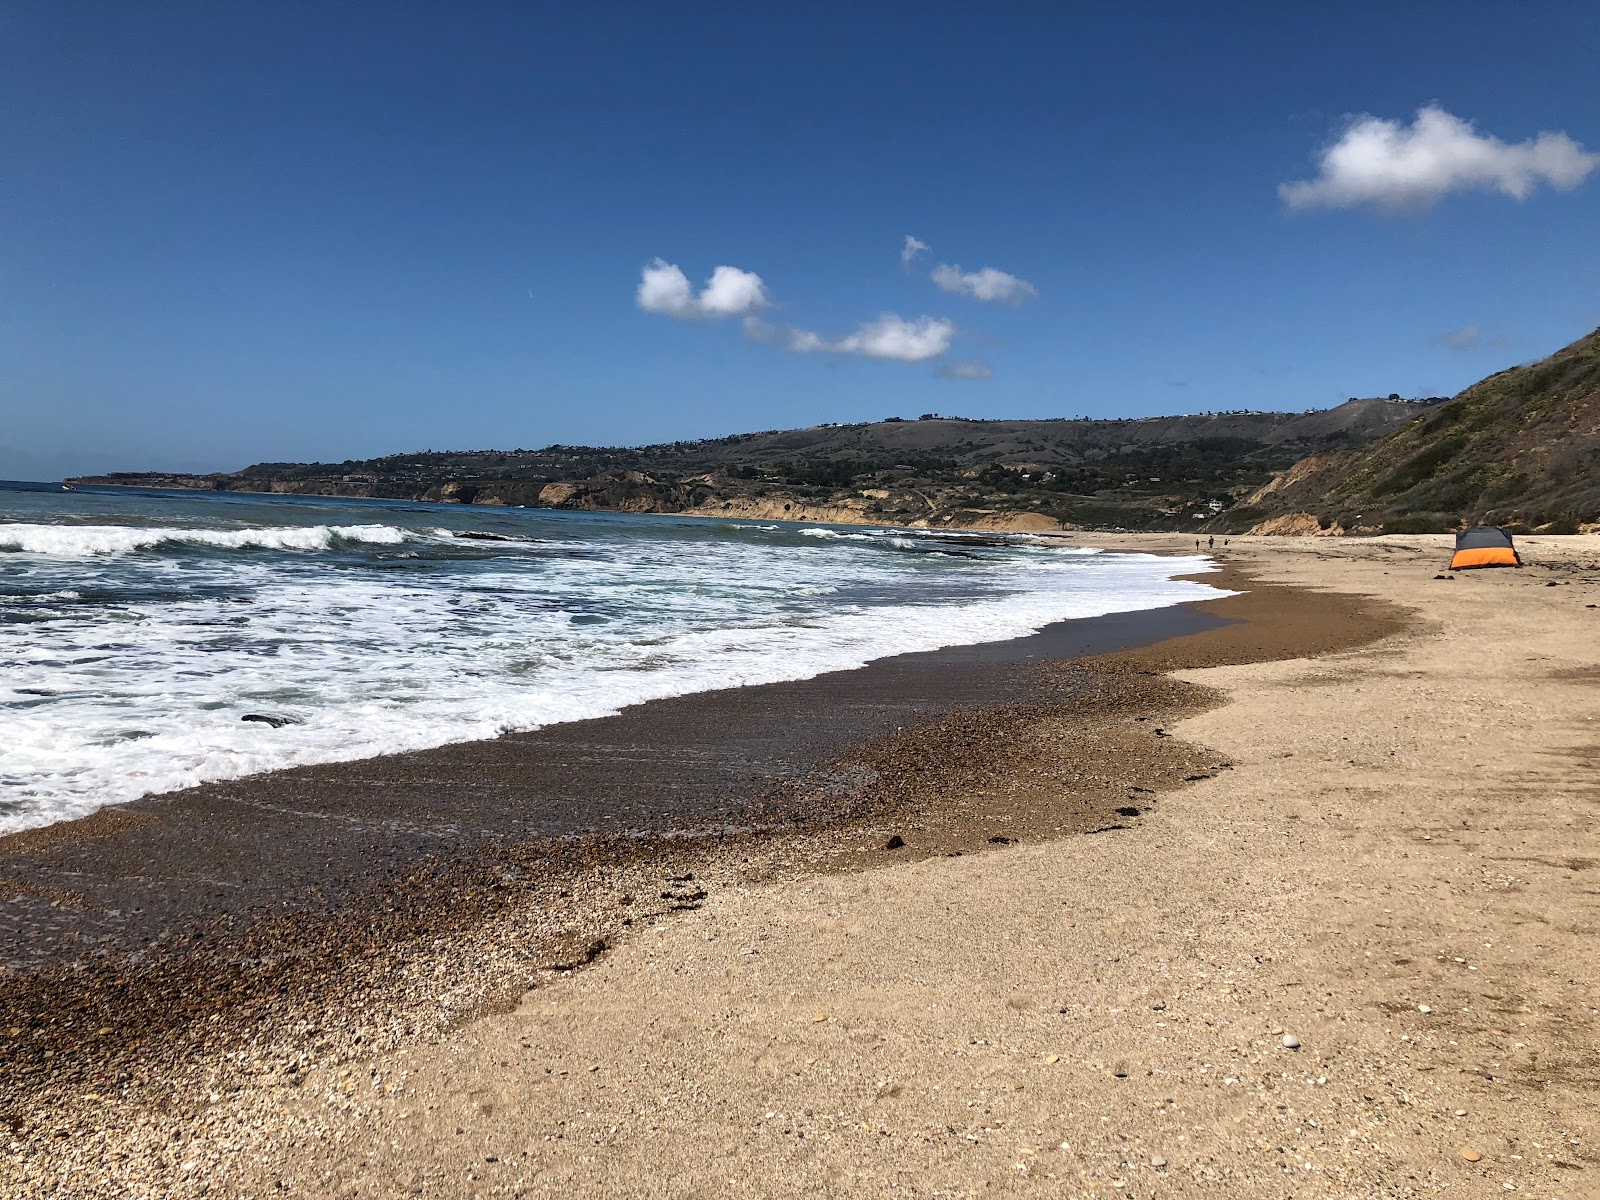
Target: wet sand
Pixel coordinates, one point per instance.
(226, 855)
(284, 924)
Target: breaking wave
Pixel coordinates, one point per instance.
(87, 541)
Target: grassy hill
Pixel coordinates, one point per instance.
(1151, 473)
(1520, 447)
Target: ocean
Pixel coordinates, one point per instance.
(153, 640)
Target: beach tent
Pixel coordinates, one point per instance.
(1484, 546)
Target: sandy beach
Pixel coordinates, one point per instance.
(1299, 906)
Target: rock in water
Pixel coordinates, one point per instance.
(275, 720)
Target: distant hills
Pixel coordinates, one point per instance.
(1152, 473)
(1522, 447)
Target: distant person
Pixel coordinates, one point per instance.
(1197, 543)
(1211, 543)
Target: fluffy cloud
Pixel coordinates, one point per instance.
(890, 337)
(911, 251)
(1392, 166)
(987, 284)
(895, 337)
(730, 292)
(974, 369)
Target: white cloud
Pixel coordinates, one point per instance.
(987, 284)
(913, 249)
(1393, 166)
(895, 337)
(663, 288)
(975, 369)
(730, 292)
(890, 337)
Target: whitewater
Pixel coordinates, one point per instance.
(139, 630)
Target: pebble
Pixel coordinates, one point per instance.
(1423, 1008)
(1471, 1155)
(1291, 1042)
(1157, 1161)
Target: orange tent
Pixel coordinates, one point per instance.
(1484, 546)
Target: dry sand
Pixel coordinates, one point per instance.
(1399, 871)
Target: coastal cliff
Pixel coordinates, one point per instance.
(1176, 472)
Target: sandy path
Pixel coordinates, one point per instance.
(1400, 871)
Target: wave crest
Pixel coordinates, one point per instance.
(87, 541)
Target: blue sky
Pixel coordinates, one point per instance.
(232, 233)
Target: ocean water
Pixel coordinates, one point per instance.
(139, 629)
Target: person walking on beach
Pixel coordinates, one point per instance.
(1211, 543)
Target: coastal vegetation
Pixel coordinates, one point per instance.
(1520, 448)
(1175, 472)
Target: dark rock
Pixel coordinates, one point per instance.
(1001, 839)
(894, 843)
(1127, 810)
(276, 721)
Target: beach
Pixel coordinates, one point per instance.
(1352, 808)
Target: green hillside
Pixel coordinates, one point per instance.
(1520, 447)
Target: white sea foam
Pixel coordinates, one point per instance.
(143, 692)
(84, 541)
(41, 597)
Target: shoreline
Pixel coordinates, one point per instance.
(191, 1010)
(755, 756)
(1358, 963)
